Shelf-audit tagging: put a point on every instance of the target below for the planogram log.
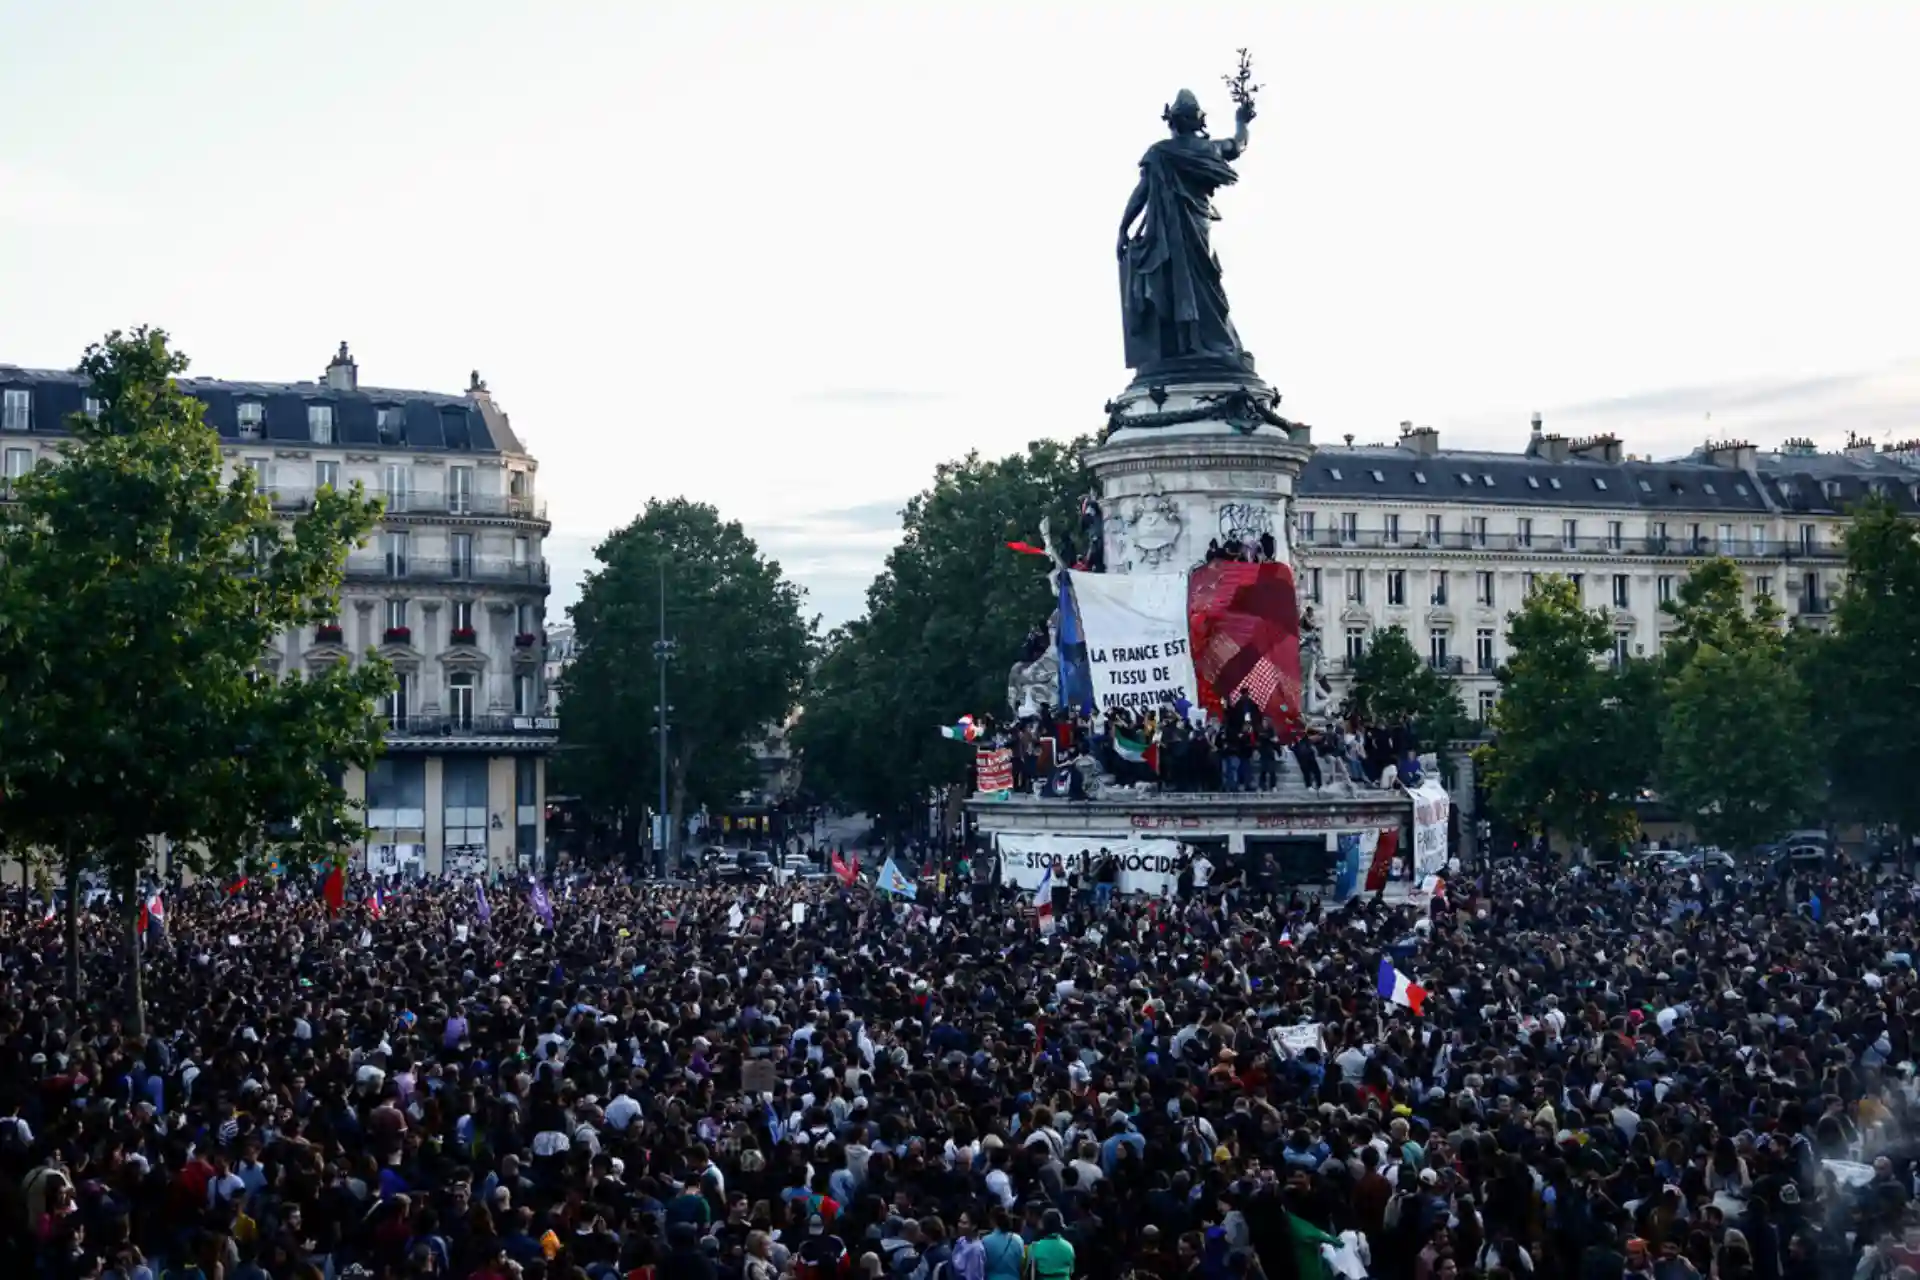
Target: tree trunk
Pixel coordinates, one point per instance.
(127, 865)
(70, 868)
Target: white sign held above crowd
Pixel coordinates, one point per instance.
(1431, 806)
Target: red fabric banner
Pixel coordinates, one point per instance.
(1382, 860)
(1245, 625)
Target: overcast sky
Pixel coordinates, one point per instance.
(786, 257)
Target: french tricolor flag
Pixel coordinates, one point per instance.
(377, 904)
(1396, 987)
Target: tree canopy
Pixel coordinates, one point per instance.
(945, 621)
(1393, 684)
(741, 648)
(1575, 735)
(141, 590)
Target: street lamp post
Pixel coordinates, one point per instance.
(662, 654)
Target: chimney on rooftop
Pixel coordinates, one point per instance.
(1737, 455)
(342, 373)
(1424, 441)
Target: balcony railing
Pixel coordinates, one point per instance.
(1816, 604)
(420, 569)
(1651, 545)
(1448, 665)
(474, 726)
(412, 503)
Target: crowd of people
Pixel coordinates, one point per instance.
(1612, 1074)
(1173, 748)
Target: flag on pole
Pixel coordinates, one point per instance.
(236, 886)
(1286, 936)
(1043, 902)
(893, 881)
(1396, 988)
(541, 903)
(377, 904)
(961, 730)
(1026, 549)
(480, 907)
(847, 871)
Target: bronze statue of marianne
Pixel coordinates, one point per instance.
(1171, 298)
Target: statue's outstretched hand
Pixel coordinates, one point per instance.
(1245, 113)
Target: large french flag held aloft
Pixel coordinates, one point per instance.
(1396, 988)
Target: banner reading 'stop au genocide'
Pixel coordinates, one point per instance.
(1138, 638)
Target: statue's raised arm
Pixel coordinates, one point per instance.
(1173, 305)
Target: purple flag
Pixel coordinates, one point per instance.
(542, 905)
(480, 907)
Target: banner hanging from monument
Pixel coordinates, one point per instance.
(1431, 806)
(993, 770)
(1246, 634)
(1138, 638)
(1150, 866)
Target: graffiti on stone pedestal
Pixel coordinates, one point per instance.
(1245, 522)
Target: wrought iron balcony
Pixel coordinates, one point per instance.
(417, 728)
(411, 503)
(421, 569)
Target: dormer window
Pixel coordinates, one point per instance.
(1645, 487)
(1533, 482)
(1708, 486)
(391, 423)
(1554, 481)
(1832, 489)
(1378, 478)
(320, 423)
(1599, 484)
(1419, 477)
(1334, 472)
(252, 417)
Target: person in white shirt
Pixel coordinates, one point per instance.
(1202, 872)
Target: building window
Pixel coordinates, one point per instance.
(1657, 534)
(397, 794)
(461, 611)
(1726, 547)
(1356, 586)
(1487, 699)
(526, 619)
(252, 417)
(399, 706)
(1477, 526)
(460, 556)
(397, 614)
(262, 471)
(517, 483)
(390, 423)
(320, 423)
(1696, 536)
(1763, 586)
(1620, 591)
(1579, 587)
(399, 486)
(1524, 536)
(1433, 530)
(1528, 582)
(523, 699)
(1306, 526)
(1356, 644)
(459, 490)
(522, 551)
(1621, 641)
(1439, 587)
(1483, 587)
(1392, 524)
(460, 699)
(91, 407)
(1663, 587)
(1616, 535)
(1570, 534)
(526, 805)
(1437, 647)
(1313, 585)
(394, 546)
(326, 475)
(1809, 539)
(19, 463)
(1396, 586)
(464, 800)
(1757, 539)
(1349, 527)
(1483, 648)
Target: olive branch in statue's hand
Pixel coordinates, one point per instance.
(1241, 87)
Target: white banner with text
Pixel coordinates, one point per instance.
(1150, 866)
(1138, 649)
(1431, 806)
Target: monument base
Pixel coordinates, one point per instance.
(1299, 827)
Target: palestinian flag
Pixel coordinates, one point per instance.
(1136, 748)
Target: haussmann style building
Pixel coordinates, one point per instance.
(451, 590)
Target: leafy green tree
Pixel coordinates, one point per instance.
(944, 623)
(1863, 676)
(142, 590)
(741, 650)
(1734, 718)
(1574, 735)
(1393, 684)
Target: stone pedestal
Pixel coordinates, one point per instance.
(1181, 466)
